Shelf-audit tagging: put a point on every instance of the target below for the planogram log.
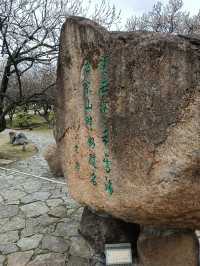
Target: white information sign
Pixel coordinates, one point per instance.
(118, 256)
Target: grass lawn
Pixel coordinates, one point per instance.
(35, 122)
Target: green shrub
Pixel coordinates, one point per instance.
(23, 120)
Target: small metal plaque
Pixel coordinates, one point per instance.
(118, 254)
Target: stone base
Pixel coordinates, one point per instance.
(100, 229)
(168, 248)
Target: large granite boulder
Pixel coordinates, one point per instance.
(128, 122)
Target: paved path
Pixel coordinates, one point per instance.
(38, 220)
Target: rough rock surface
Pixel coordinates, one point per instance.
(52, 156)
(128, 122)
(168, 248)
(18, 138)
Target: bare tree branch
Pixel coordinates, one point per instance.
(166, 18)
(29, 38)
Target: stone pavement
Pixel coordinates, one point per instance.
(38, 220)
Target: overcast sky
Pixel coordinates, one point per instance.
(131, 7)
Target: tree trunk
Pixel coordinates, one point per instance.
(2, 121)
(3, 89)
(11, 119)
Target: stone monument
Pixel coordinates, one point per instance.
(128, 123)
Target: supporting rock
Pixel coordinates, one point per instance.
(168, 248)
(54, 161)
(100, 229)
